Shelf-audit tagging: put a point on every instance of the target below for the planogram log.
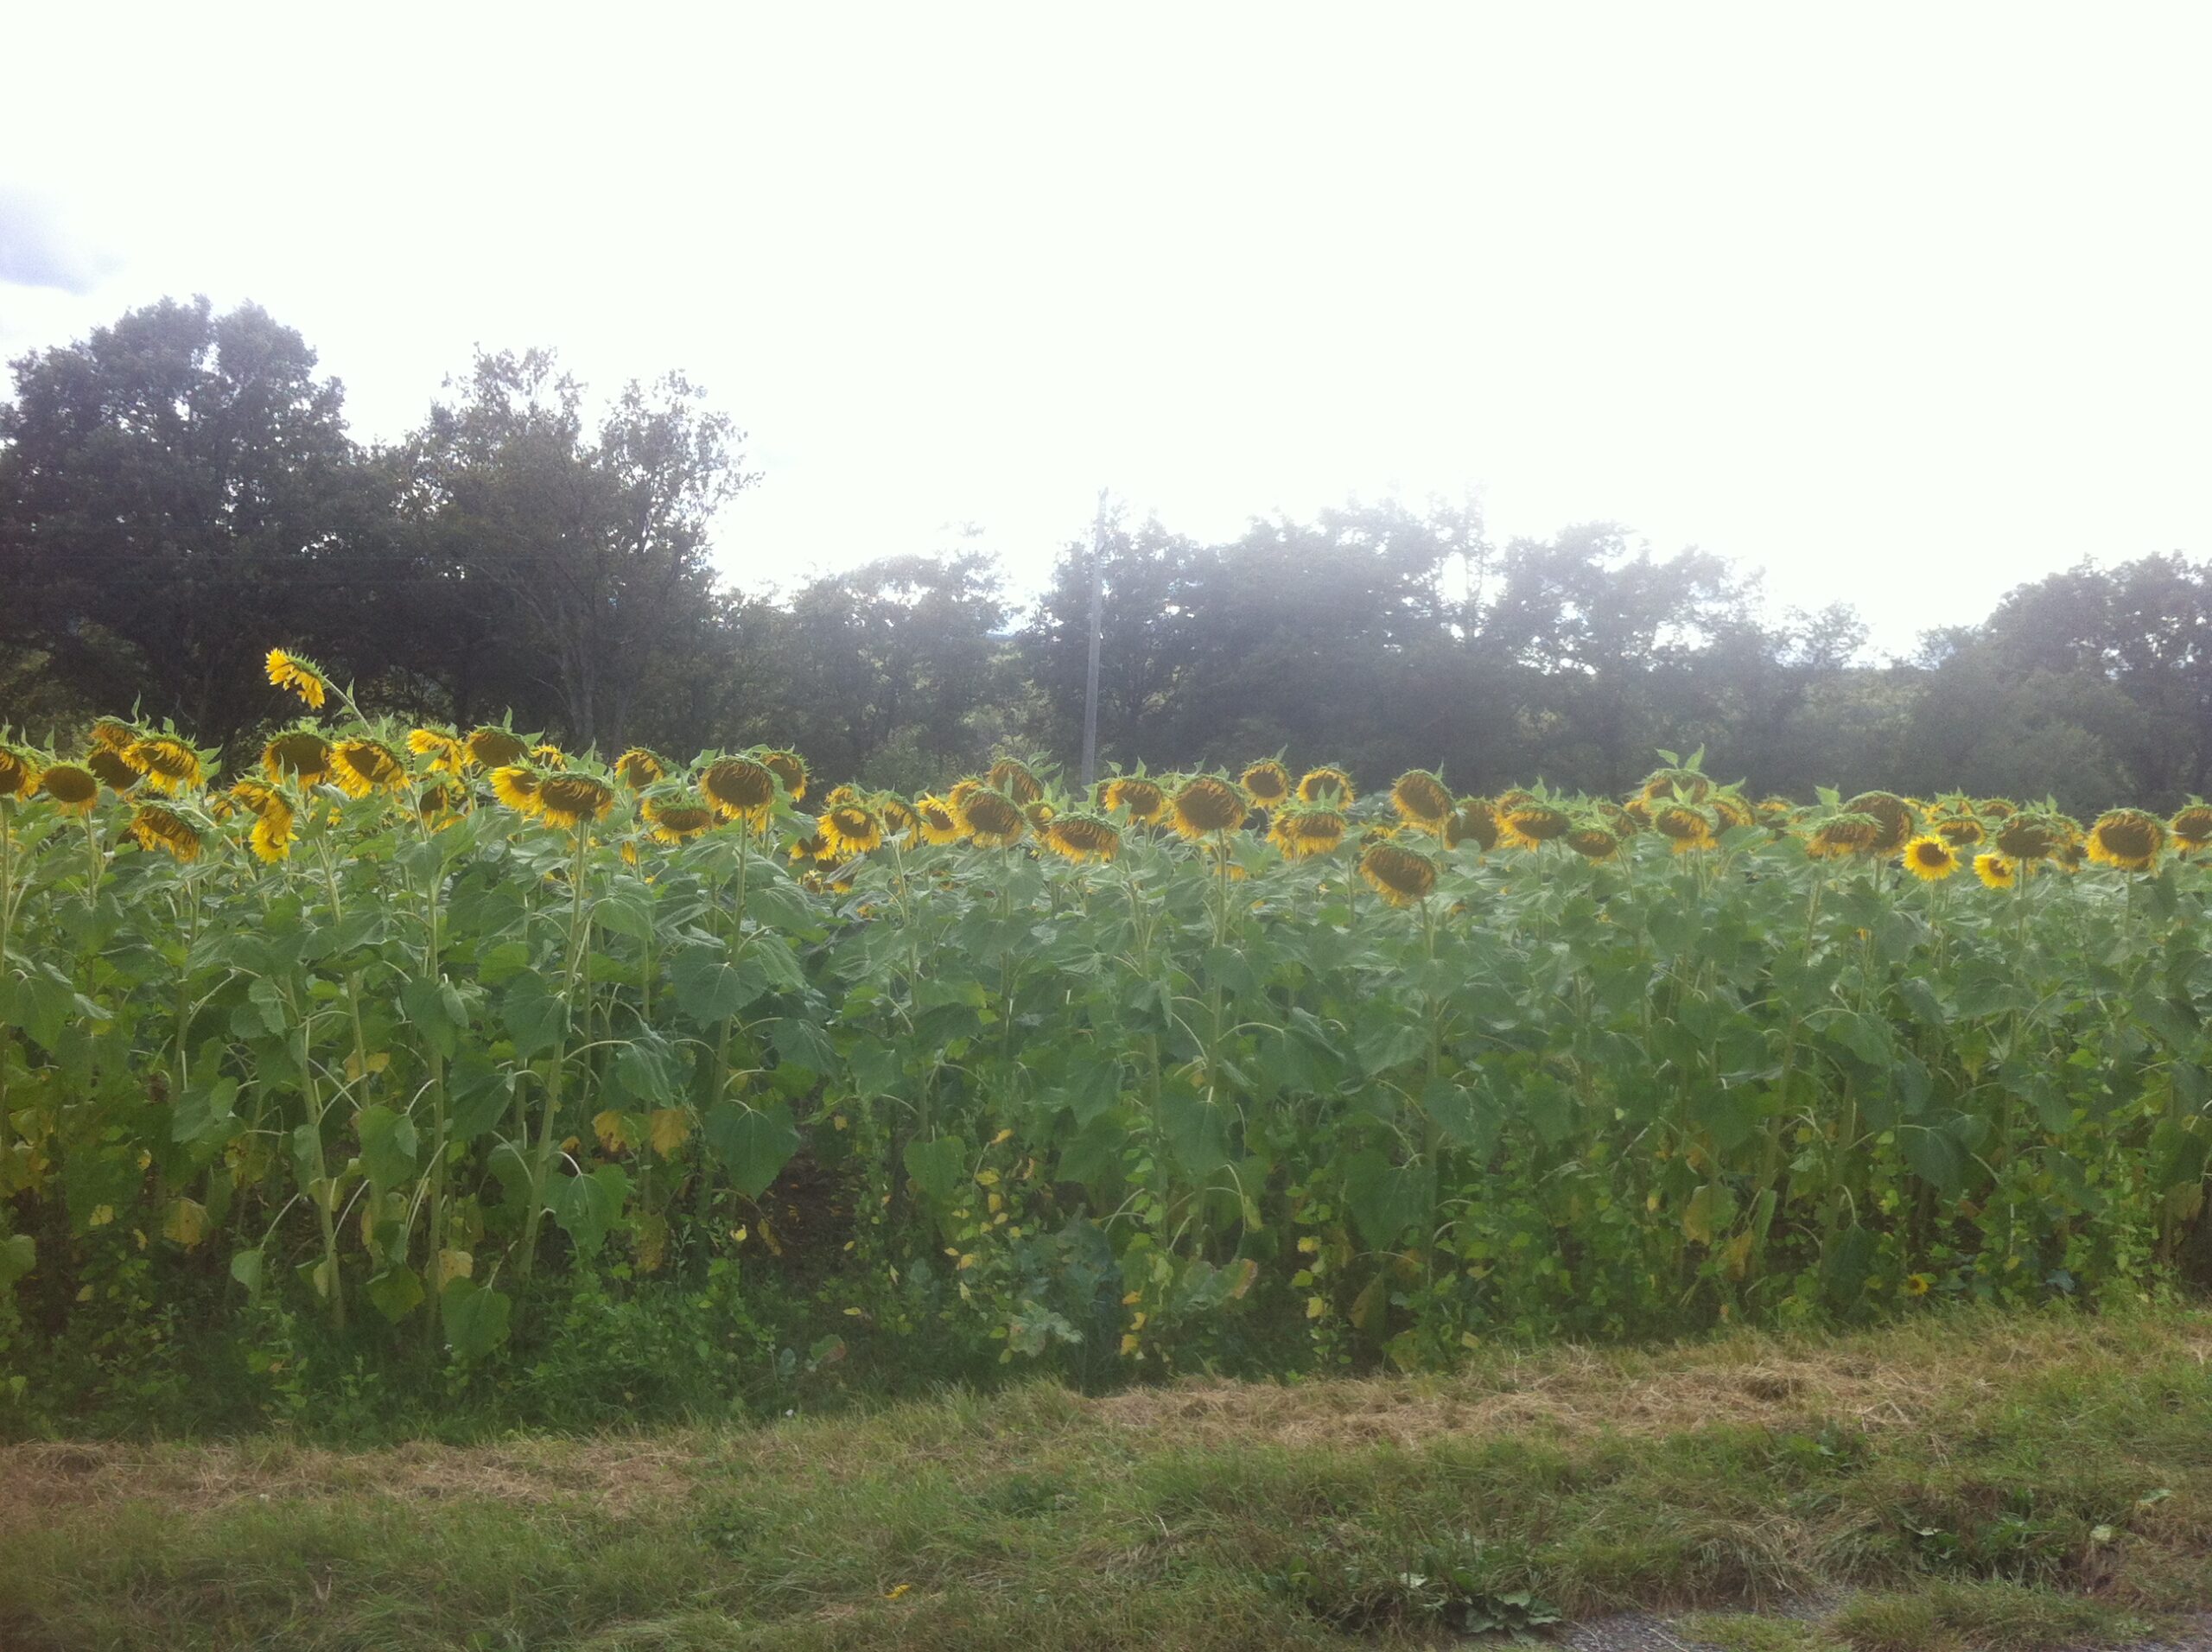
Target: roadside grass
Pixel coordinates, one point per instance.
(1965, 1480)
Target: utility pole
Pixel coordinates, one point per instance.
(1090, 680)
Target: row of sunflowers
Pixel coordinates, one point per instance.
(416, 1027)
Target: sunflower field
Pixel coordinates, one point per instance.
(404, 1026)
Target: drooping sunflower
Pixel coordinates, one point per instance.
(679, 822)
(2072, 857)
(852, 829)
(497, 748)
(1015, 779)
(939, 825)
(1419, 796)
(1326, 786)
(302, 677)
(1401, 876)
(789, 767)
(896, 813)
(809, 844)
(2192, 827)
(1670, 785)
(440, 801)
(1082, 837)
(639, 768)
(991, 817)
(1997, 870)
(157, 828)
(1731, 810)
(1472, 820)
(1959, 831)
(2130, 838)
(1143, 800)
(1040, 814)
(1267, 783)
(549, 757)
(1995, 808)
(169, 765)
(115, 774)
(1774, 813)
(740, 789)
(1890, 812)
(361, 766)
(447, 753)
(1307, 831)
(2031, 836)
(1931, 858)
(1205, 804)
(517, 785)
(1686, 827)
(1531, 822)
(271, 837)
(113, 734)
(1839, 835)
(1593, 842)
(567, 800)
(302, 755)
(74, 787)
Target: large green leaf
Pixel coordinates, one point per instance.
(475, 1318)
(753, 1143)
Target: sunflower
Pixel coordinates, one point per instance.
(1472, 821)
(169, 765)
(1267, 783)
(1996, 870)
(810, 844)
(1593, 842)
(1326, 786)
(1140, 800)
(157, 828)
(1685, 826)
(851, 828)
(1996, 807)
(1931, 858)
(548, 756)
(439, 801)
(1531, 822)
(1016, 781)
(1205, 805)
(1843, 835)
(1675, 784)
(2070, 857)
(1892, 814)
(568, 800)
(497, 748)
(1307, 831)
(1419, 796)
(1961, 831)
(740, 789)
(271, 837)
(115, 774)
(896, 813)
(447, 753)
(112, 734)
(1731, 810)
(517, 785)
(991, 817)
(1774, 813)
(2192, 826)
(789, 767)
(75, 788)
(1401, 876)
(302, 755)
(302, 677)
(2034, 836)
(679, 822)
(939, 825)
(963, 790)
(361, 766)
(2127, 838)
(1083, 837)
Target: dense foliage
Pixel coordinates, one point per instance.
(401, 1024)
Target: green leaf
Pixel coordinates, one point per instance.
(1386, 1199)
(588, 1206)
(18, 1255)
(802, 1043)
(1468, 1119)
(396, 1293)
(475, 1318)
(1197, 1131)
(204, 1112)
(388, 1145)
(1935, 1155)
(939, 1168)
(430, 1007)
(755, 1144)
(646, 1072)
(245, 1269)
(709, 989)
(534, 1015)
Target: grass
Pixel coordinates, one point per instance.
(1963, 1481)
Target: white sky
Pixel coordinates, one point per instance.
(1904, 302)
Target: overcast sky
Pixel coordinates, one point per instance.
(1904, 303)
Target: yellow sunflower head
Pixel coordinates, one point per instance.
(1205, 804)
(991, 817)
(447, 753)
(1326, 786)
(2130, 839)
(1140, 800)
(1996, 807)
(679, 822)
(896, 813)
(789, 767)
(302, 755)
(440, 800)
(1844, 835)
(1419, 796)
(1730, 808)
(939, 824)
(1267, 783)
(1931, 858)
(2031, 836)
(1016, 781)
(1674, 785)
(73, 787)
(115, 774)
(1593, 842)
(517, 785)
(270, 840)
(740, 789)
(1959, 831)
(1400, 874)
(1472, 820)
(1685, 826)
(361, 766)
(301, 675)
(1040, 814)
(808, 843)
(112, 734)
(1531, 822)
(497, 748)
(1996, 870)
(1891, 813)
(851, 828)
(2192, 826)
(549, 757)
(567, 800)
(1082, 837)
(1307, 829)
(168, 764)
(639, 768)
(157, 828)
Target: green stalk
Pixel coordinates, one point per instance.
(578, 963)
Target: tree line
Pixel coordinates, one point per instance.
(179, 490)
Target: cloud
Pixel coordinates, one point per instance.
(39, 248)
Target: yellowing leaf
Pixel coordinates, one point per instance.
(186, 1223)
(669, 1129)
(456, 1264)
(612, 1130)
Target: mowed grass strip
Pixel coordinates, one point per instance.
(1966, 1480)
